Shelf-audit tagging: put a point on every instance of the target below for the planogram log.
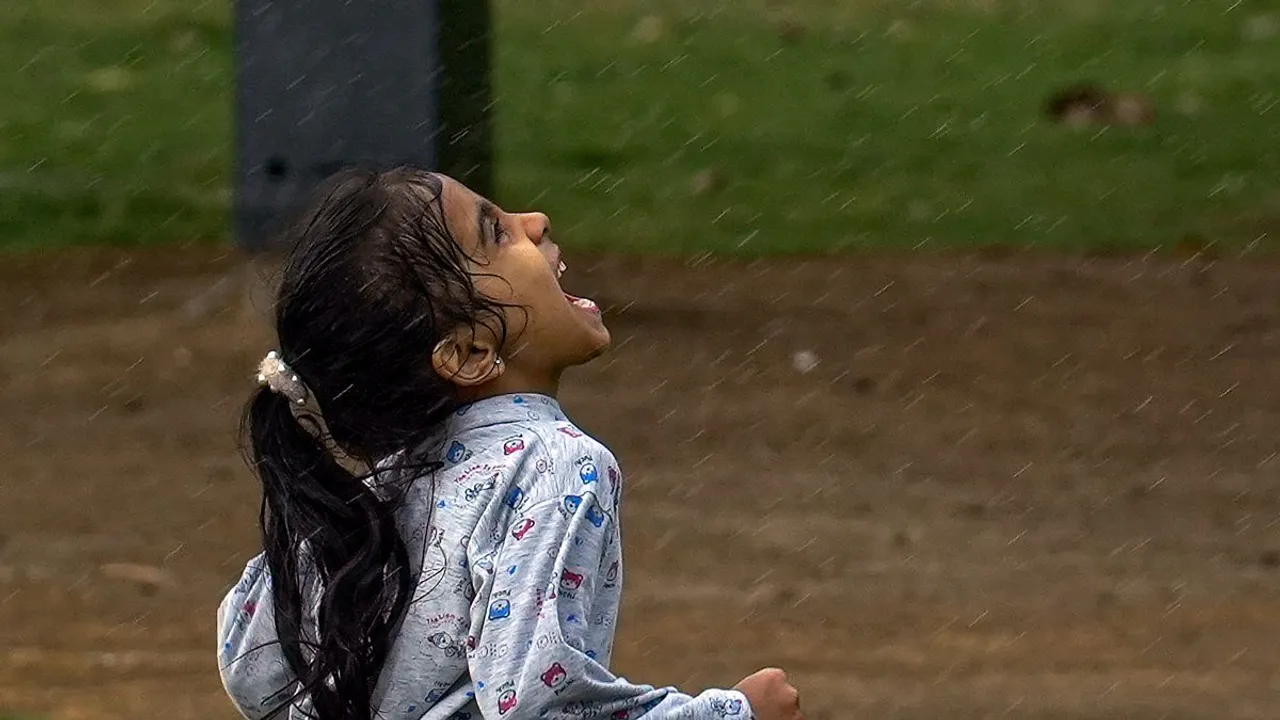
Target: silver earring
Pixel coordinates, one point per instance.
(497, 361)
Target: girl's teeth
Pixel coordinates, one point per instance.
(561, 269)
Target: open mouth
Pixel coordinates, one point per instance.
(581, 303)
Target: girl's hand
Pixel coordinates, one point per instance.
(771, 696)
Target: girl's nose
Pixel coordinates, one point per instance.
(537, 226)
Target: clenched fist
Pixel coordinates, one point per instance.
(771, 696)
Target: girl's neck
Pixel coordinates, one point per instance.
(514, 383)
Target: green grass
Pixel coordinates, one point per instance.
(886, 123)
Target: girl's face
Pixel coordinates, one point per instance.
(517, 263)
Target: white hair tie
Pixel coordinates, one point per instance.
(273, 373)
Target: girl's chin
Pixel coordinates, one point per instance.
(602, 342)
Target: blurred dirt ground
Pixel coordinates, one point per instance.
(929, 485)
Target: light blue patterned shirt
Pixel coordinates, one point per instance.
(518, 563)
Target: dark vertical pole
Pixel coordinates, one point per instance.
(324, 84)
(466, 93)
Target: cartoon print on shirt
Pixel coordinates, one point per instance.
(570, 581)
(465, 589)
(571, 504)
(507, 701)
(615, 479)
(463, 544)
(611, 577)
(513, 445)
(479, 471)
(444, 641)
(457, 453)
(555, 676)
(436, 695)
(727, 708)
(595, 515)
(570, 431)
(473, 492)
(500, 609)
(491, 650)
(246, 613)
(587, 471)
(486, 561)
(239, 623)
(522, 528)
(432, 560)
(515, 498)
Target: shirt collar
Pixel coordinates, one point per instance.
(502, 409)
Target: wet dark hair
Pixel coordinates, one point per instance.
(373, 282)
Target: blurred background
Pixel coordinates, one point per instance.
(946, 344)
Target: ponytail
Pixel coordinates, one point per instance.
(373, 281)
(333, 548)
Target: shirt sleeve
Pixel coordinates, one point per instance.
(253, 668)
(533, 662)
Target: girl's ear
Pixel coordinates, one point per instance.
(467, 358)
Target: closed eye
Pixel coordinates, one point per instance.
(490, 223)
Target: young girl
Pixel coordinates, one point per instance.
(475, 570)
